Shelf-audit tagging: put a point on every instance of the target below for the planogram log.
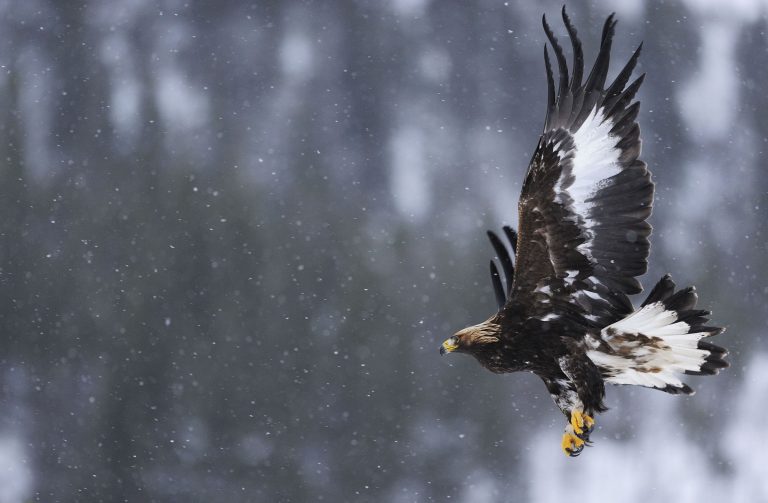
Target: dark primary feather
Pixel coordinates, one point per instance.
(506, 263)
(498, 289)
(504, 258)
(621, 80)
(578, 54)
(511, 236)
(550, 86)
(562, 65)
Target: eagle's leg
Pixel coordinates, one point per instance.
(579, 394)
(580, 424)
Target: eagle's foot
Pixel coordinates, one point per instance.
(582, 423)
(572, 443)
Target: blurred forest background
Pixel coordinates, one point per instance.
(234, 234)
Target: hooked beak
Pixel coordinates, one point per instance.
(450, 345)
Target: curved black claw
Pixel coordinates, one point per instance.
(584, 435)
(575, 452)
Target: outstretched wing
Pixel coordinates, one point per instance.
(586, 196)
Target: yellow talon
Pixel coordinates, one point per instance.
(572, 445)
(579, 420)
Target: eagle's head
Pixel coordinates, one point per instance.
(474, 339)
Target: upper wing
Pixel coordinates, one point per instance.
(586, 196)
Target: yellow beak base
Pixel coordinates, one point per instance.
(448, 346)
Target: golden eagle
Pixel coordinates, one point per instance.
(583, 240)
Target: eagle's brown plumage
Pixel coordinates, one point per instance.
(582, 243)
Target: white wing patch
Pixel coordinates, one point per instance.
(595, 159)
(649, 348)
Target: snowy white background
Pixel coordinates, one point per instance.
(234, 234)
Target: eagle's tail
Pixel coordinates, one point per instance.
(658, 342)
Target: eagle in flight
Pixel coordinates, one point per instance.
(583, 241)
